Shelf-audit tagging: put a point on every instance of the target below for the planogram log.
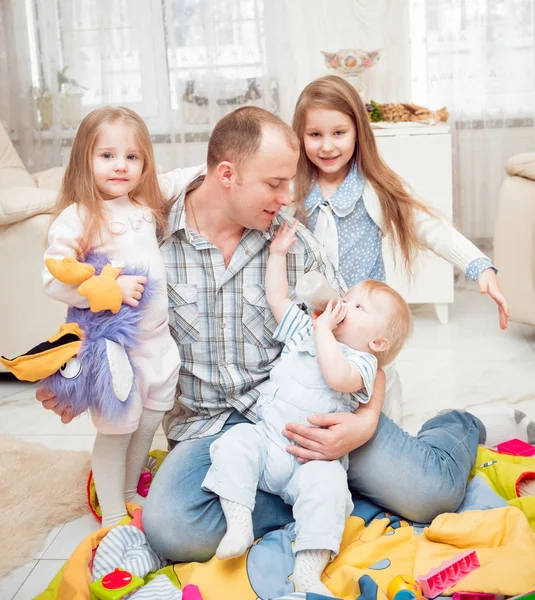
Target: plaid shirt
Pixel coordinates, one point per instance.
(221, 321)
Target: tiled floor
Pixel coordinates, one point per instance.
(468, 361)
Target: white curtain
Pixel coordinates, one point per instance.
(477, 57)
(182, 64)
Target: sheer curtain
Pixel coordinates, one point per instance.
(181, 64)
(477, 57)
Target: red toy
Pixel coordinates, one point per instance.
(191, 592)
(115, 585)
(516, 447)
(448, 574)
(473, 596)
(145, 479)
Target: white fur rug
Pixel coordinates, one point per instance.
(40, 488)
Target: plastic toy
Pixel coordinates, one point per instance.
(116, 585)
(528, 596)
(516, 447)
(403, 587)
(448, 573)
(145, 479)
(473, 596)
(191, 592)
(315, 291)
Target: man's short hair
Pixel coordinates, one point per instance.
(237, 136)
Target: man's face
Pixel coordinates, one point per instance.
(262, 185)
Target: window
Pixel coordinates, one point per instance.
(174, 62)
(476, 55)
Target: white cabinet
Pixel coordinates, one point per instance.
(422, 157)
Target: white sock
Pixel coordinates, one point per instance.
(239, 534)
(138, 449)
(504, 423)
(108, 463)
(309, 565)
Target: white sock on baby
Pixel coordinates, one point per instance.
(309, 565)
(504, 423)
(239, 534)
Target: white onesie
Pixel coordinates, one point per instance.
(131, 240)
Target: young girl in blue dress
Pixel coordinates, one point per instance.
(351, 199)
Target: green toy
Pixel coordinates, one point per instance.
(117, 585)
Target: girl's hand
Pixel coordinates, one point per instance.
(335, 435)
(50, 402)
(331, 316)
(284, 238)
(132, 287)
(488, 284)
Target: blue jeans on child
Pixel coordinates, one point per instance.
(414, 477)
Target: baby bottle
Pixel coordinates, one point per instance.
(315, 291)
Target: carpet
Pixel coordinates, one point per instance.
(40, 488)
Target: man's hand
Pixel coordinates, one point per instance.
(50, 402)
(284, 238)
(488, 284)
(132, 287)
(334, 436)
(331, 316)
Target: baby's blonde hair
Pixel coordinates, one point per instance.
(399, 324)
(78, 183)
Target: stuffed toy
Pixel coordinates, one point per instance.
(86, 363)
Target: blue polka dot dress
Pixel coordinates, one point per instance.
(359, 238)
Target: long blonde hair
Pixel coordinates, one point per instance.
(79, 187)
(398, 206)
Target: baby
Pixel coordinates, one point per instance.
(328, 364)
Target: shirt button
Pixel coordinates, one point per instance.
(223, 325)
(224, 364)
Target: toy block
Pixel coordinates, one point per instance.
(516, 447)
(473, 596)
(145, 479)
(191, 592)
(448, 573)
(115, 585)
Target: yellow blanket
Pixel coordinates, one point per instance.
(376, 547)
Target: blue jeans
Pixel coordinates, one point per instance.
(414, 477)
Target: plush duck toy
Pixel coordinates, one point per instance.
(86, 363)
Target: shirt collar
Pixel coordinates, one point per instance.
(343, 201)
(177, 216)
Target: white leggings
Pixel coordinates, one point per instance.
(117, 463)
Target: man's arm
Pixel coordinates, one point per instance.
(336, 434)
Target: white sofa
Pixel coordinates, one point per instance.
(27, 315)
(514, 237)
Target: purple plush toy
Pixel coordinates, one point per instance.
(87, 364)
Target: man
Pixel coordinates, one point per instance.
(216, 250)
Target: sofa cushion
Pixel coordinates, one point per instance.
(19, 203)
(522, 165)
(12, 170)
(51, 178)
